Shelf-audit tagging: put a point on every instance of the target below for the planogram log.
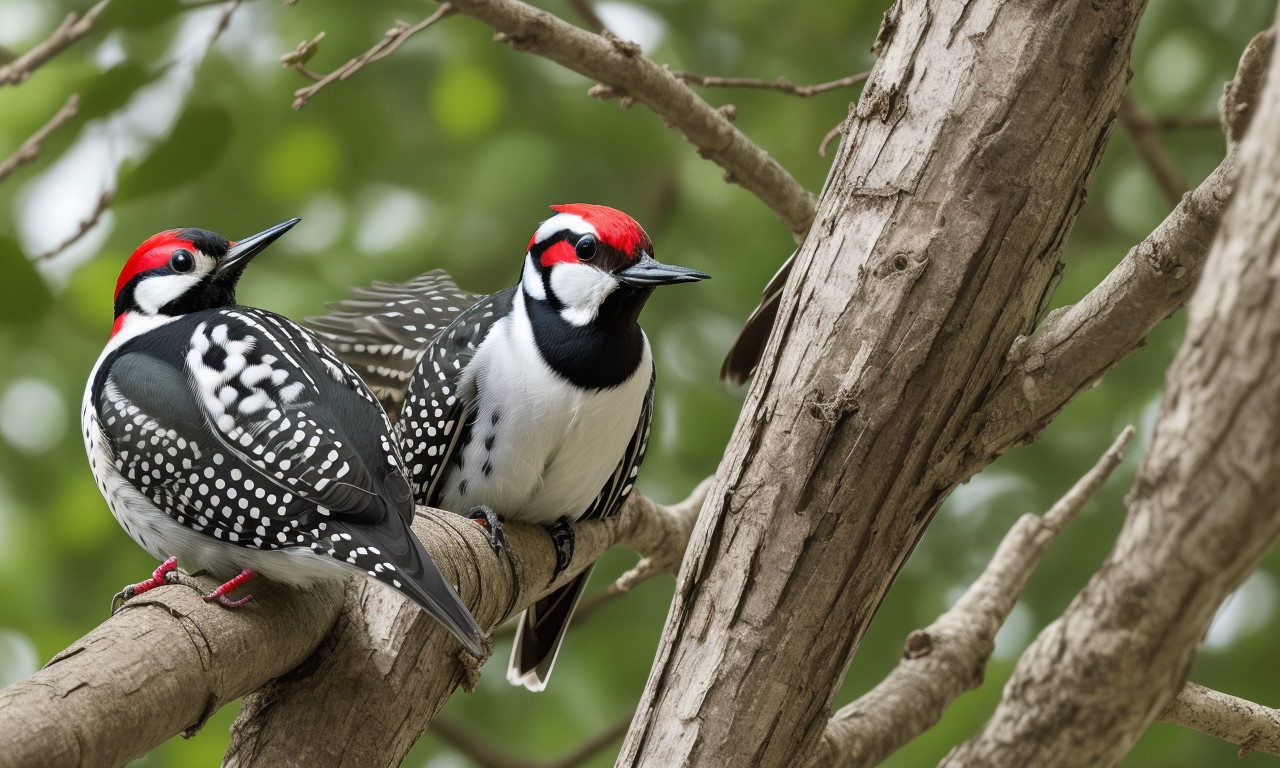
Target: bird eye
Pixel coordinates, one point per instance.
(586, 248)
(182, 261)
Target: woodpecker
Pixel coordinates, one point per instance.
(232, 438)
(533, 403)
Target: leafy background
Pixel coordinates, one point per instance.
(446, 154)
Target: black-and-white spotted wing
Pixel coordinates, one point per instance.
(440, 404)
(615, 492)
(240, 425)
(382, 330)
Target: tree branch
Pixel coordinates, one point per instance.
(486, 755)
(1204, 509)
(625, 72)
(161, 665)
(391, 40)
(398, 665)
(168, 660)
(71, 29)
(588, 13)
(1075, 346)
(86, 224)
(1253, 727)
(780, 84)
(1146, 139)
(941, 225)
(950, 656)
(30, 148)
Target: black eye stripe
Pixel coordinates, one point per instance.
(585, 249)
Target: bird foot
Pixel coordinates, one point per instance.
(165, 573)
(562, 538)
(220, 594)
(486, 517)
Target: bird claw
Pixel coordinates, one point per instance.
(562, 538)
(220, 594)
(165, 573)
(486, 517)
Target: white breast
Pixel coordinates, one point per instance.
(549, 446)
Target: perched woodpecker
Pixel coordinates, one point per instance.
(232, 438)
(534, 403)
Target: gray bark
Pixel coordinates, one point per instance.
(1204, 508)
(935, 245)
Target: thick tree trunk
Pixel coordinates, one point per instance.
(1204, 509)
(935, 245)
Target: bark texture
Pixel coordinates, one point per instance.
(374, 686)
(168, 660)
(161, 665)
(1077, 345)
(1204, 509)
(936, 244)
(950, 656)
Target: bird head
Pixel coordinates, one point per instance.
(180, 271)
(586, 254)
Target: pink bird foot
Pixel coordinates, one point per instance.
(220, 594)
(159, 578)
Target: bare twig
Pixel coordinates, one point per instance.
(224, 21)
(831, 134)
(1179, 122)
(1142, 130)
(30, 148)
(626, 73)
(589, 15)
(86, 224)
(1251, 726)
(391, 40)
(949, 657)
(780, 84)
(72, 28)
(486, 755)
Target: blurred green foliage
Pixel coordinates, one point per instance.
(446, 154)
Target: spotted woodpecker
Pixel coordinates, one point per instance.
(232, 438)
(532, 403)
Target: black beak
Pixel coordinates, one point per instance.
(240, 254)
(648, 271)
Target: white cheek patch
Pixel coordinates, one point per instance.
(581, 289)
(154, 292)
(531, 280)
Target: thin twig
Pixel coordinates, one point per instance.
(30, 148)
(1251, 726)
(780, 84)
(86, 224)
(949, 656)
(392, 39)
(589, 15)
(1142, 130)
(71, 29)
(485, 754)
(1192, 122)
(624, 72)
(831, 134)
(223, 22)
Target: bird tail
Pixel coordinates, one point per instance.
(541, 631)
(428, 588)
